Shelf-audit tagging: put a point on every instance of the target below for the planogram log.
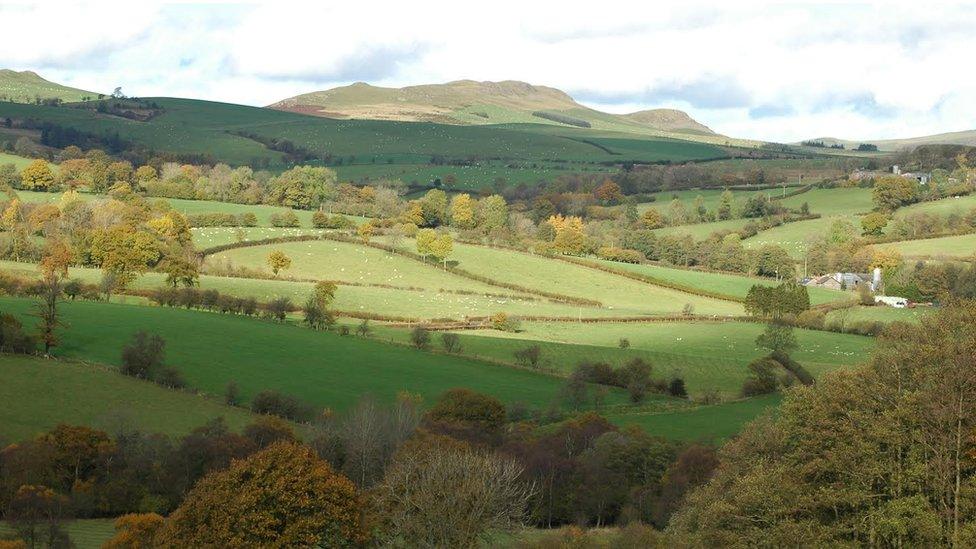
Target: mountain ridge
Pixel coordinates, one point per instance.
(480, 102)
(28, 86)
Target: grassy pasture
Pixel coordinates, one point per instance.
(322, 368)
(38, 394)
(710, 355)
(623, 295)
(728, 284)
(207, 237)
(880, 314)
(794, 237)
(703, 423)
(833, 202)
(469, 177)
(958, 246)
(701, 231)
(426, 304)
(946, 206)
(84, 533)
(20, 162)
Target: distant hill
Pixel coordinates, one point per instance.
(967, 137)
(28, 87)
(468, 102)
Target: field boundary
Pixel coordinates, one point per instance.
(416, 257)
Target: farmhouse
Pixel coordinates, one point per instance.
(923, 178)
(845, 281)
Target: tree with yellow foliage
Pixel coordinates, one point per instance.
(442, 247)
(365, 232)
(462, 212)
(278, 261)
(652, 219)
(282, 496)
(37, 176)
(135, 531)
(569, 237)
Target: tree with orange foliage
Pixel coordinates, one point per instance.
(608, 192)
(282, 496)
(135, 531)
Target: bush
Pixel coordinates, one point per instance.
(143, 357)
(504, 323)
(624, 343)
(762, 379)
(467, 406)
(12, 336)
(275, 403)
(811, 319)
(286, 219)
(676, 387)
(451, 342)
(170, 377)
(420, 337)
(529, 356)
(248, 219)
(620, 254)
(212, 219)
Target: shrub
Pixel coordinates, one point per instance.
(286, 219)
(420, 337)
(529, 356)
(762, 379)
(170, 377)
(451, 342)
(812, 319)
(143, 357)
(620, 254)
(624, 343)
(278, 404)
(232, 394)
(676, 387)
(12, 336)
(248, 219)
(502, 322)
(467, 406)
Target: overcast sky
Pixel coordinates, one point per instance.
(765, 71)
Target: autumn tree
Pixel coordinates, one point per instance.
(608, 192)
(492, 213)
(35, 513)
(873, 224)
(278, 261)
(433, 207)
(652, 219)
(426, 242)
(365, 232)
(302, 187)
(124, 252)
(725, 203)
(569, 237)
(135, 531)
(892, 192)
(282, 496)
(879, 456)
(462, 212)
(37, 176)
(442, 247)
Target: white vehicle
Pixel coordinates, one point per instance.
(891, 301)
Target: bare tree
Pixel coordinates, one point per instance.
(450, 496)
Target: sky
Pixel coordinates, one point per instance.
(770, 71)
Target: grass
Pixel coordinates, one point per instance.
(795, 237)
(623, 295)
(20, 162)
(423, 304)
(958, 246)
(709, 355)
(728, 284)
(84, 533)
(322, 368)
(192, 126)
(833, 202)
(946, 206)
(711, 423)
(207, 237)
(38, 394)
(879, 314)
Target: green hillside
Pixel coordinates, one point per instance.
(38, 394)
(29, 87)
(216, 129)
(322, 368)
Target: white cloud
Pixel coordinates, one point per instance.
(770, 71)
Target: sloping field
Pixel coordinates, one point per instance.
(422, 304)
(833, 202)
(958, 246)
(38, 394)
(84, 533)
(729, 284)
(710, 355)
(322, 368)
(796, 237)
(958, 204)
(703, 423)
(623, 295)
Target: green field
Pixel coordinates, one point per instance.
(38, 394)
(422, 304)
(728, 284)
(958, 246)
(322, 368)
(712, 423)
(20, 162)
(946, 206)
(468, 177)
(207, 237)
(701, 231)
(85, 533)
(622, 295)
(710, 355)
(833, 202)
(191, 126)
(879, 314)
(796, 237)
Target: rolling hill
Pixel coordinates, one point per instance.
(469, 102)
(28, 87)
(967, 137)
